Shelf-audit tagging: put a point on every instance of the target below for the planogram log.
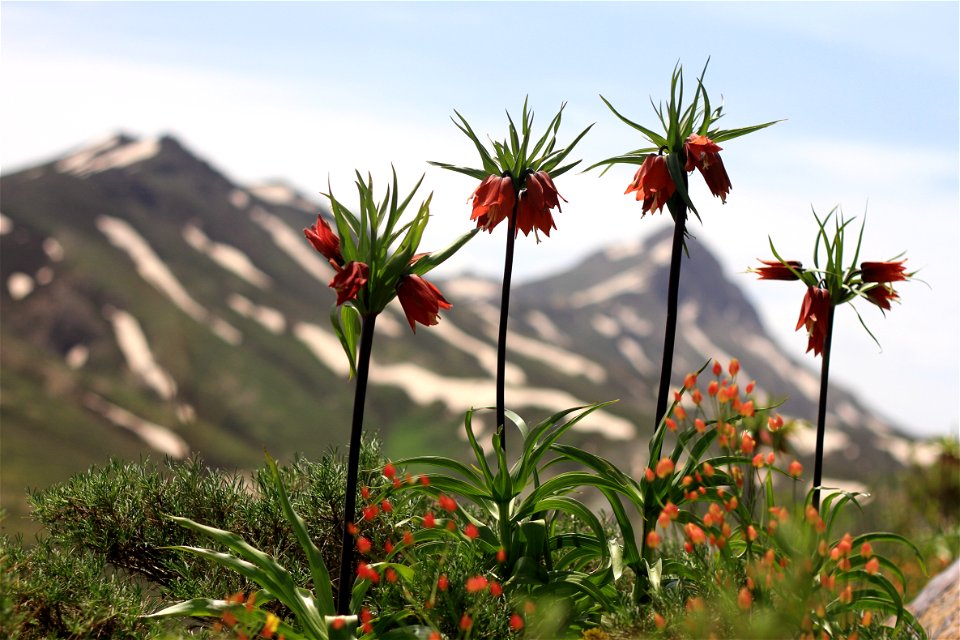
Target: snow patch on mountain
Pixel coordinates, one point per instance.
(228, 257)
(20, 285)
(804, 380)
(465, 288)
(634, 355)
(272, 319)
(485, 354)
(136, 351)
(631, 321)
(623, 250)
(282, 194)
(293, 244)
(696, 338)
(605, 325)
(562, 360)
(239, 199)
(425, 387)
(324, 345)
(152, 269)
(543, 325)
(805, 441)
(111, 154)
(158, 438)
(629, 281)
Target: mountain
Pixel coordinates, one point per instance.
(152, 306)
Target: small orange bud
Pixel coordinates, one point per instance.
(734, 367)
(744, 599)
(648, 475)
(664, 467)
(872, 566)
(717, 369)
(696, 396)
(700, 425)
(653, 540)
(690, 381)
(659, 621)
(747, 408)
(795, 469)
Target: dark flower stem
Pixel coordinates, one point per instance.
(502, 336)
(673, 292)
(822, 414)
(353, 466)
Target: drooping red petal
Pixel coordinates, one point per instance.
(775, 270)
(421, 301)
(493, 201)
(653, 183)
(883, 271)
(349, 280)
(324, 240)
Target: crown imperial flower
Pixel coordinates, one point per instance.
(421, 301)
(883, 271)
(349, 280)
(536, 200)
(813, 316)
(702, 154)
(652, 183)
(776, 270)
(325, 241)
(493, 201)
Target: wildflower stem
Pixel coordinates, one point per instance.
(502, 336)
(353, 466)
(822, 414)
(673, 291)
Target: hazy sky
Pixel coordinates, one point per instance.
(310, 91)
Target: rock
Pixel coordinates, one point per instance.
(937, 606)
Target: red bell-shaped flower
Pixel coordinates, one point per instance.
(702, 153)
(493, 201)
(652, 183)
(882, 271)
(421, 301)
(349, 280)
(324, 240)
(814, 314)
(533, 212)
(776, 270)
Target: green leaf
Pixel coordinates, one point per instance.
(657, 140)
(318, 570)
(346, 321)
(430, 261)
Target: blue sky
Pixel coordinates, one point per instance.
(310, 91)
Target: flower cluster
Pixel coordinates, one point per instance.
(516, 179)
(834, 284)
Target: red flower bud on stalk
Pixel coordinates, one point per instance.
(882, 295)
(325, 241)
(652, 183)
(349, 280)
(813, 316)
(882, 271)
(493, 201)
(421, 301)
(702, 153)
(776, 270)
(536, 200)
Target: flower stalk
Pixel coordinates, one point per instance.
(502, 335)
(822, 409)
(673, 295)
(353, 465)
(689, 142)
